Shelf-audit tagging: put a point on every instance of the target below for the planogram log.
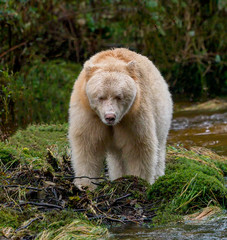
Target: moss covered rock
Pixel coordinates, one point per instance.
(192, 181)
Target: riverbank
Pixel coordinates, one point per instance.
(39, 200)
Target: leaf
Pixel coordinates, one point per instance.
(218, 58)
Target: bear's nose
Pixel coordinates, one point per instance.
(110, 118)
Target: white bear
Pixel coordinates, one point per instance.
(121, 111)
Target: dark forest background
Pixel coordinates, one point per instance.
(43, 44)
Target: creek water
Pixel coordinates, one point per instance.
(213, 230)
(198, 128)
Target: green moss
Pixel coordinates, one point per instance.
(182, 164)
(188, 189)
(37, 138)
(166, 217)
(192, 181)
(8, 218)
(7, 154)
(222, 166)
(32, 145)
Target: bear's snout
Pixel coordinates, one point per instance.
(110, 118)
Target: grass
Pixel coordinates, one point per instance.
(52, 225)
(77, 229)
(31, 146)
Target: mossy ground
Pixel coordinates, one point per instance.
(194, 179)
(39, 200)
(35, 169)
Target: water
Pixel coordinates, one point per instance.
(212, 230)
(203, 129)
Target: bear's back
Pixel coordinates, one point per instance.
(117, 54)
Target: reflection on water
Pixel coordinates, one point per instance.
(216, 229)
(200, 129)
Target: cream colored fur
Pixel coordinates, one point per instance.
(128, 86)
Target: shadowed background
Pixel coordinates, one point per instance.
(44, 44)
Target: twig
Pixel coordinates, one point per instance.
(106, 216)
(117, 199)
(96, 217)
(65, 177)
(79, 210)
(29, 223)
(114, 219)
(98, 184)
(20, 186)
(12, 48)
(91, 177)
(101, 196)
(41, 204)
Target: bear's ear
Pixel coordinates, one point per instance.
(89, 69)
(131, 65)
(133, 69)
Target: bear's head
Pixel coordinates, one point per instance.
(111, 93)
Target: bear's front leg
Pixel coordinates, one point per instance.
(87, 162)
(141, 159)
(115, 164)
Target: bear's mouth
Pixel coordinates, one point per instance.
(110, 123)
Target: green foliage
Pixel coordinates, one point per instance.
(186, 39)
(6, 91)
(46, 89)
(40, 93)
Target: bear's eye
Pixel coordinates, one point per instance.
(118, 97)
(101, 98)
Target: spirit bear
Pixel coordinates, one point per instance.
(121, 111)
